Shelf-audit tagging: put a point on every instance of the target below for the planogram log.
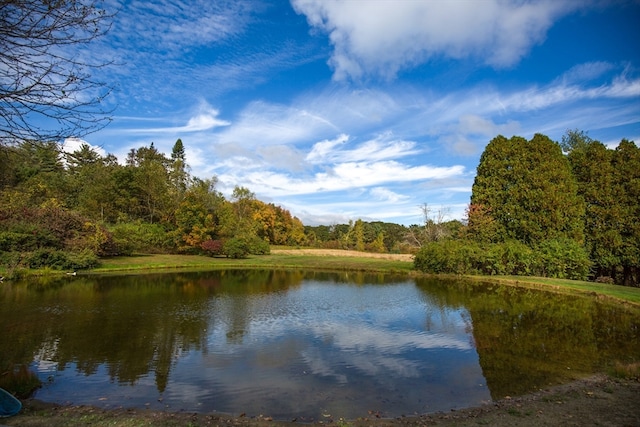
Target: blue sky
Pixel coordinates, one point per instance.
(340, 110)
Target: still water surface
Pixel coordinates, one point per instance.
(301, 344)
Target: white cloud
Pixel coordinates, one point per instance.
(473, 124)
(205, 119)
(383, 147)
(281, 157)
(472, 128)
(202, 122)
(536, 98)
(172, 26)
(586, 72)
(73, 144)
(343, 176)
(385, 36)
(324, 149)
(261, 123)
(385, 195)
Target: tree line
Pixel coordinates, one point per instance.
(539, 207)
(64, 210)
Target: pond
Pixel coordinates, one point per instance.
(301, 345)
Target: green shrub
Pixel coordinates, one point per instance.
(563, 259)
(448, 257)
(258, 246)
(509, 258)
(82, 260)
(61, 260)
(132, 237)
(10, 241)
(46, 257)
(236, 248)
(10, 259)
(23, 237)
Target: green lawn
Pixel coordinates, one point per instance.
(338, 263)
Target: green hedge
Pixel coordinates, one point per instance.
(50, 258)
(564, 259)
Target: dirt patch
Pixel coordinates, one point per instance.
(343, 253)
(595, 401)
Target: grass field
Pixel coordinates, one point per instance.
(287, 259)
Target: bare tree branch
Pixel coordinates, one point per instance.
(47, 91)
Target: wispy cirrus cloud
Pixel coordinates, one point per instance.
(382, 147)
(585, 72)
(342, 176)
(169, 27)
(205, 119)
(262, 123)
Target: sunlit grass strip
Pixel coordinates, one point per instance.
(153, 262)
(624, 293)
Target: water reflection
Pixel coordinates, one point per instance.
(300, 344)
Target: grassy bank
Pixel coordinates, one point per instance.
(336, 260)
(623, 293)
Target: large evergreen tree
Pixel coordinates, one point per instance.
(592, 165)
(626, 164)
(609, 182)
(528, 190)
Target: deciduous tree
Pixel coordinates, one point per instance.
(47, 88)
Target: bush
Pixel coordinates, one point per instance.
(131, 237)
(241, 247)
(46, 258)
(448, 257)
(10, 259)
(10, 241)
(258, 246)
(236, 248)
(82, 260)
(60, 260)
(563, 259)
(23, 237)
(212, 247)
(510, 258)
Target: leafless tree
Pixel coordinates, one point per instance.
(433, 228)
(47, 91)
